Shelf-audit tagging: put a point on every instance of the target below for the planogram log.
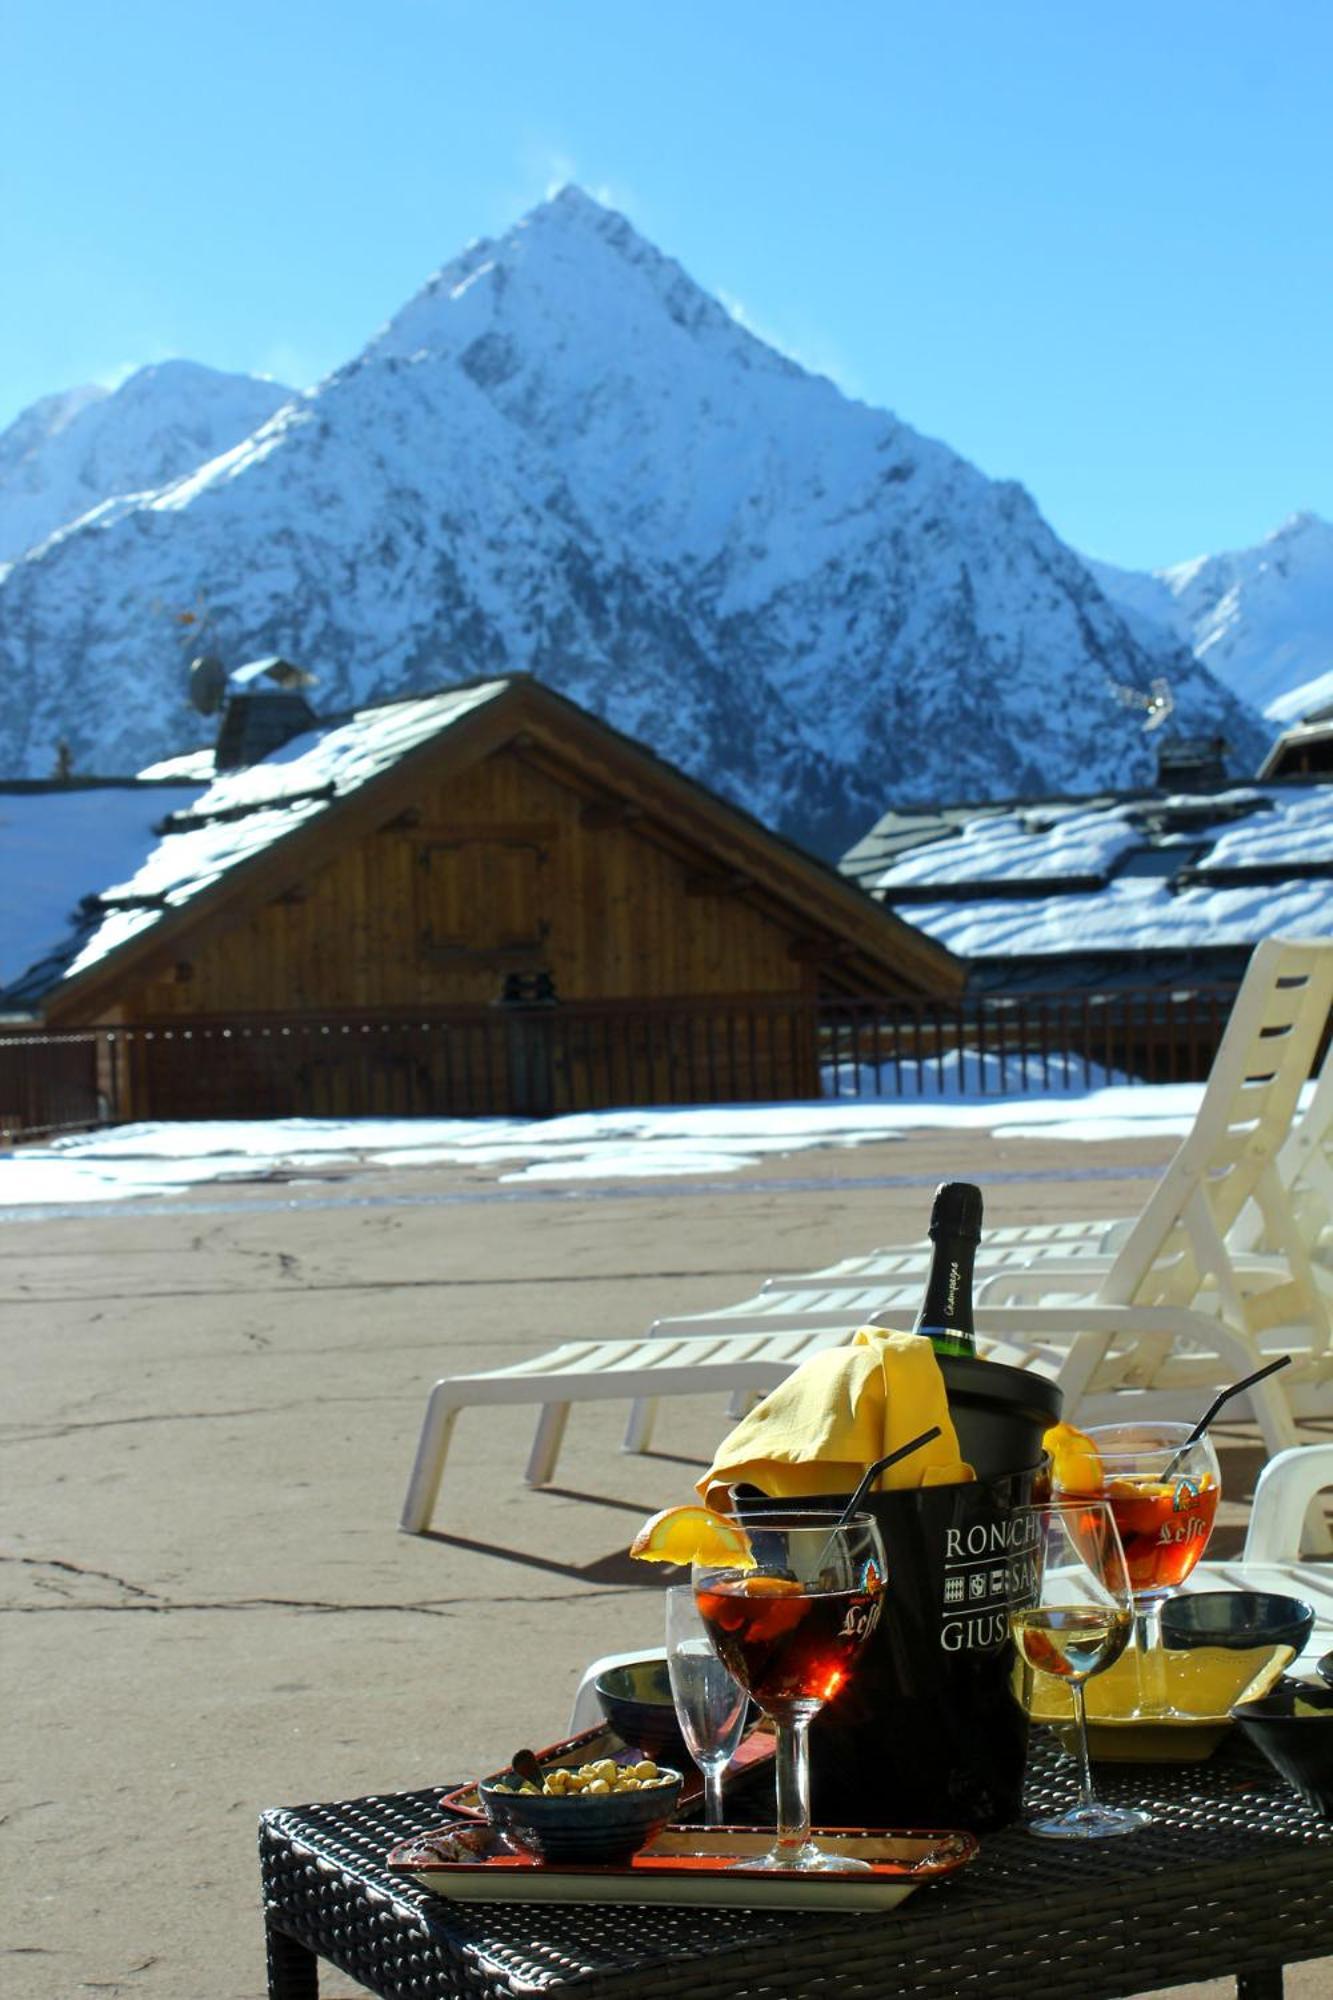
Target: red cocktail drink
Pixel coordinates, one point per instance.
(788, 1624)
(786, 1647)
(1164, 1527)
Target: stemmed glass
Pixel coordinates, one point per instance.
(710, 1706)
(790, 1630)
(1164, 1498)
(1071, 1612)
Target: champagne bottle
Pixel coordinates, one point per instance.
(955, 1230)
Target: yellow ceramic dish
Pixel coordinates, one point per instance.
(1202, 1685)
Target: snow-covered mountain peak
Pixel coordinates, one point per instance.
(1261, 619)
(569, 269)
(66, 455)
(563, 457)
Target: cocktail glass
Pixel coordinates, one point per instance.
(790, 1631)
(1164, 1499)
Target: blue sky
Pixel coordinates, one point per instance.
(1087, 245)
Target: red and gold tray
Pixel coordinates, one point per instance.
(687, 1864)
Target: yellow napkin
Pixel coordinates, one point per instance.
(835, 1415)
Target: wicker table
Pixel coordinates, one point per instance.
(1236, 1876)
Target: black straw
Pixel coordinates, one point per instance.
(1249, 1381)
(872, 1472)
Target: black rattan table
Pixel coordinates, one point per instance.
(1235, 1876)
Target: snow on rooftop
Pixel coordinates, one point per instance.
(192, 766)
(1137, 914)
(1278, 825)
(1047, 842)
(60, 845)
(63, 846)
(1299, 828)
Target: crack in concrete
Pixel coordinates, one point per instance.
(372, 1285)
(42, 1433)
(432, 1608)
(79, 1569)
(154, 1600)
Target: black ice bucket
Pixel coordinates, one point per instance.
(927, 1731)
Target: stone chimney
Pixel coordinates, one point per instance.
(1192, 764)
(263, 708)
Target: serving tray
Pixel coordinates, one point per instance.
(694, 1865)
(1202, 1685)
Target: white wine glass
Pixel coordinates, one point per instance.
(1071, 1610)
(710, 1706)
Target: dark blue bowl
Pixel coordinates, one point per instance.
(592, 1830)
(1237, 1619)
(636, 1701)
(1299, 1747)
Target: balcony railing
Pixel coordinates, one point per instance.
(537, 1061)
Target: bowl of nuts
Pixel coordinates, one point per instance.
(599, 1814)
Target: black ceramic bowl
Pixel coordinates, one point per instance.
(1298, 1745)
(636, 1701)
(1235, 1618)
(591, 1829)
(1325, 1666)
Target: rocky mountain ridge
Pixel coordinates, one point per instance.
(1261, 619)
(70, 453)
(563, 457)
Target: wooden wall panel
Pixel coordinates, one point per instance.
(493, 872)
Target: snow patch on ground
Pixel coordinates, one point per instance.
(155, 1160)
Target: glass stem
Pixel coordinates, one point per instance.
(1152, 1664)
(793, 1784)
(1084, 1761)
(713, 1815)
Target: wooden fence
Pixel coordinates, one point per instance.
(540, 1061)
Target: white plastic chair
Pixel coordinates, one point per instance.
(1287, 1490)
(594, 1370)
(1304, 1166)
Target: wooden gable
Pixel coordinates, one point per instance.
(526, 837)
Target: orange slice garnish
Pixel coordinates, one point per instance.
(1076, 1465)
(693, 1534)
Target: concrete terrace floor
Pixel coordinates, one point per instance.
(214, 1402)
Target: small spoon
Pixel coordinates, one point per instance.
(524, 1764)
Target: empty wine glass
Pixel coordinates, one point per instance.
(1071, 1610)
(710, 1705)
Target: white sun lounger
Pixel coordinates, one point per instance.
(1169, 1313)
(1130, 1333)
(1304, 1166)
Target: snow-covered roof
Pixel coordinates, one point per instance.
(1093, 878)
(56, 843)
(85, 869)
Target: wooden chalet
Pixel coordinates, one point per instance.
(481, 900)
